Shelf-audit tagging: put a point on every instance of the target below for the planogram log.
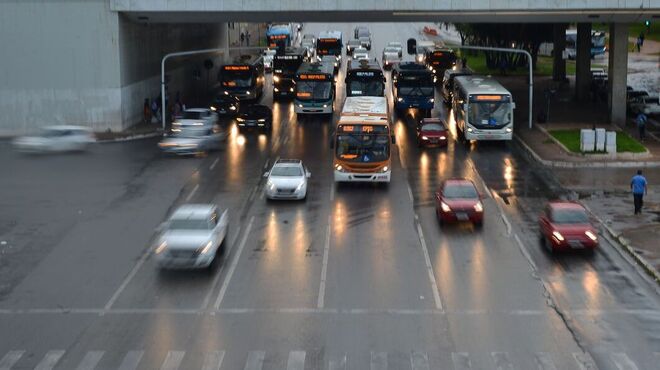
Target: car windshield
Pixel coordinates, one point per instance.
(363, 148)
(193, 115)
(466, 191)
(432, 127)
(569, 216)
(391, 50)
(286, 171)
(237, 79)
(354, 43)
(313, 90)
(189, 224)
(53, 132)
(416, 90)
(486, 114)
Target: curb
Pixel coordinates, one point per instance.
(130, 138)
(564, 164)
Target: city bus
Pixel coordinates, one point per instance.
(438, 60)
(330, 43)
(364, 78)
(284, 69)
(362, 141)
(244, 78)
(413, 87)
(483, 109)
(279, 34)
(314, 88)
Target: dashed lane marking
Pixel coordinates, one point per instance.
(234, 263)
(91, 359)
(173, 360)
(429, 266)
(213, 360)
(461, 360)
(192, 193)
(215, 162)
(50, 360)
(622, 361)
(378, 361)
(296, 360)
(324, 268)
(10, 359)
(255, 360)
(127, 280)
(131, 360)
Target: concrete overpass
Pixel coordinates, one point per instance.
(93, 62)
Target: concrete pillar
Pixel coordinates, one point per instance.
(618, 73)
(225, 42)
(583, 61)
(558, 47)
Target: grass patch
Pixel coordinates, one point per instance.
(543, 66)
(571, 140)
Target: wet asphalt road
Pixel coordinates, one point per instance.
(356, 277)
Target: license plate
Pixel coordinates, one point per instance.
(222, 111)
(434, 141)
(461, 216)
(575, 244)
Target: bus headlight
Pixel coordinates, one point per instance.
(226, 92)
(384, 169)
(508, 130)
(325, 105)
(213, 108)
(300, 106)
(291, 89)
(432, 100)
(232, 107)
(339, 168)
(276, 89)
(248, 93)
(399, 99)
(470, 129)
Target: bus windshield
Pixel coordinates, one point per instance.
(492, 114)
(237, 79)
(366, 87)
(313, 90)
(361, 148)
(415, 90)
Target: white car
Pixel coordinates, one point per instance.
(397, 45)
(191, 237)
(56, 139)
(268, 56)
(196, 117)
(391, 57)
(192, 140)
(351, 45)
(360, 53)
(649, 105)
(287, 179)
(365, 42)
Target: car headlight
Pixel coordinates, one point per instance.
(300, 186)
(276, 89)
(591, 235)
(431, 100)
(424, 138)
(558, 236)
(207, 247)
(445, 207)
(232, 107)
(325, 105)
(226, 92)
(239, 119)
(470, 129)
(261, 120)
(479, 207)
(176, 123)
(384, 169)
(248, 93)
(270, 185)
(161, 247)
(399, 99)
(299, 105)
(335, 64)
(213, 108)
(291, 89)
(276, 78)
(508, 129)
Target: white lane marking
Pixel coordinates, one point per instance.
(10, 359)
(544, 361)
(501, 360)
(506, 222)
(324, 268)
(286, 140)
(190, 195)
(429, 266)
(622, 361)
(262, 194)
(337, 364)
(213, 360)
(253, 193)
(207, 298)
(332, 191)
(461, 360)
(526, 253)
(419, 361)
(296, 360)
(91, 359)
(173, 360)
(584, 361)
(234, 263)
(128, 278)
(50, 360)
(410, 193)
(131, 360)
(255, 360)
(214, 163)
(267, 163)
(378, 360)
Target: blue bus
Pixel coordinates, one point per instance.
(413, 87)
(278, 34)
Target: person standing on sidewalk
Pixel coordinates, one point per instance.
(639, 187)
(641, 125)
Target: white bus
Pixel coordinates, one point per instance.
(483, 109)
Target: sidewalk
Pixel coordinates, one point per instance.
(140, 130)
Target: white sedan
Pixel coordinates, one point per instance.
(196, 117)
(56, 139)
(360, 53)
(191, 237)
(287, 179)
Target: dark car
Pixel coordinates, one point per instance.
(255, 116)
(226, 104)
(458, 200)
(432, 132)
(565, 225)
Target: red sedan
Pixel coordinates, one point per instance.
(566, 226)
(458, 200)
(432, 132)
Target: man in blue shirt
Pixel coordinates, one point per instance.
(639, 188)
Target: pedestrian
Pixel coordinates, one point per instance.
(641, 37)
(641, 125)
(639, 188)
(247, 38)
(639, 44)
(154, 110)
(242, 38)
(146, 111)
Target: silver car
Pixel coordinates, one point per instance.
(287, 179)
(196, 117)
(56, 139)
(191, 237)
(190, 141)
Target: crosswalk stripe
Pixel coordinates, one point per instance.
(91, 359)
(461, 360)
(584, 361)
(544, 361)
(337, 364)
(378, 360)
(50, 360)
(173, 360)
(623, 362)
(255, 360)
(10, 359)
(131, 360)
(419, 361)
(213, 360)
(296, 360)
(501, 360)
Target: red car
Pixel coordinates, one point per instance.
(432, 132)
(458, 200)
(565, 226)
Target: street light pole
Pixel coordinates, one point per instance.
(529, 60)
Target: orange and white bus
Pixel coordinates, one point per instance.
(362, 141)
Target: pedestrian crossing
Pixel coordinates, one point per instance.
(259, 360)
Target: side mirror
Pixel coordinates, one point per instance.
(513, 105)
(308, 174)
(393, 139)
(266, 174)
